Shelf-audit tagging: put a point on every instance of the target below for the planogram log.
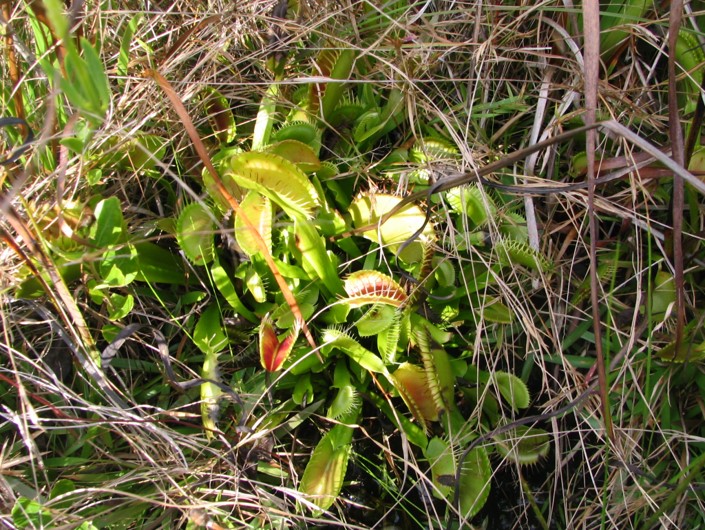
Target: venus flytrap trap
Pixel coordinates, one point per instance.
(274, 351)
(324, 475)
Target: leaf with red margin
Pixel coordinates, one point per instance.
(373, 287)
(411, 382)
(272, 351)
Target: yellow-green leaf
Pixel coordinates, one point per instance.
(195, 232)
(277, 178)
(258, 210)
(369, 209)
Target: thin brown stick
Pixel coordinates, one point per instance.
(186, 35)
(591, 15)
(678, 155)
(205, 158)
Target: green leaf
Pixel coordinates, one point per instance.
(381, 122)
(98, 79)
(444, 273)
(376, 320)
(524, 445)
(325, 472)
(511, 252)
(227, 289)
(55, 14)
(514, 227)
(298, 131)
(438, 335)
(689, 350)
(296, 152)
(442, 463)
(388, 341)
(442, 378)
(120, 306)
(475, 475)
(138, 153)
(302, 361)
(333, 337)
(210, 394)
(195, 233)
(265, 117)
(29, 513)
(472, 202)
(126, 43)
(303, 390)
(433, 149)
(158, 265)
(209, 335)
(663, 295)
(513, 390)
(335, 64)
(306, 299)
(255, 285)
(615, 14)
(119, 266)
(475, 478)
(85, 82)
(107, 229)
(315, 259)
(492, 310)
(346, 399)
(62, 487)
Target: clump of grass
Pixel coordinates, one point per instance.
(100, 372)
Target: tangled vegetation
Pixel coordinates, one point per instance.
(352, 264)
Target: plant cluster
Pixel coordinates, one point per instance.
(318, 291)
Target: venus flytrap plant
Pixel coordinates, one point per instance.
(524, 445)
(395, 353)
(287, 186)
(224, 193)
